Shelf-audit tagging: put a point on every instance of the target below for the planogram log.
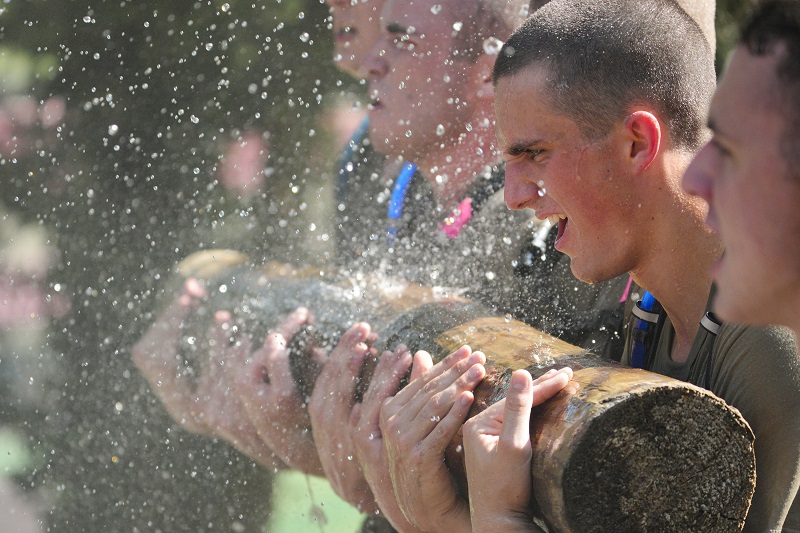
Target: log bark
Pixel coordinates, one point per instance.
(619, 449)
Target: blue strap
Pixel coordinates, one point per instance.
(641, 328)
(397, 200)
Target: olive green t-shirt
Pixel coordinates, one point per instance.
(757, 371)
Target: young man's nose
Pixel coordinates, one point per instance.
(374, 63)
(520, 192)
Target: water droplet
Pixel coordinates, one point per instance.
(507, 317)
(349, 457)
(435, 418)
(209, 46)
(440, 130)
(304, 37)
(541, 192)
(113, 129)
(490, 276)
(459, 448)
(458, 25)
(87, 19)
(492, 46)
(194, 119)
(371, 436)
(408, 133)
(436, 9)
(225, 8)
(468, 126)
(337, 58)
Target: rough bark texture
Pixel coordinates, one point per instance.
(619, 449)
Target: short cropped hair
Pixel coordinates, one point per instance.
(701, 11)
(773, 23)
(606, 56)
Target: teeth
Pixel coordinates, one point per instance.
(553, 219)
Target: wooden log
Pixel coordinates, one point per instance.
(619, 449)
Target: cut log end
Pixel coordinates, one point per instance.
(675, 459)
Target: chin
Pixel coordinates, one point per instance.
(591, 273)
(738, 308)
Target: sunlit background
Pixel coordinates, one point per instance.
(133, 133)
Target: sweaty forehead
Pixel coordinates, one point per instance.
(524, 111)
(749, 86)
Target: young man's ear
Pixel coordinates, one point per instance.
(644, 134)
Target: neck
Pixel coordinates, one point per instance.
(452, 167)
(677, 264)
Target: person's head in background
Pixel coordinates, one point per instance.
(355, 29)
(749, 173)
(430, 81)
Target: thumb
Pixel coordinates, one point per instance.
(517, 413)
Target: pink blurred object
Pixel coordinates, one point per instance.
(242, 168)
(458, 218)
(23, 302)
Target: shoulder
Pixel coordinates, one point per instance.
(772, 346)
(757, 369)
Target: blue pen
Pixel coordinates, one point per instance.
(645, 319)
(398, 199)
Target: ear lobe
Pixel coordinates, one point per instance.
(645, 134)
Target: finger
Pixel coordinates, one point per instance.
(333, 395)
(274, 357)
(193, 288)
(385, 382)
(545, 390)
(422, 363)
(219, 336)
(441, 388)
(438, 369)
(515, 434)
(444, 431)
(547, 375)
(439, 405)
(355, 416)
(293, 323)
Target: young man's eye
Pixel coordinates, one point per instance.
(719, 148)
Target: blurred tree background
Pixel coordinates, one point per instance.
(118, 115)
(115, 118)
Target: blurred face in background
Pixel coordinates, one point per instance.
(419, 90)
(355, 29)
(753, 193)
